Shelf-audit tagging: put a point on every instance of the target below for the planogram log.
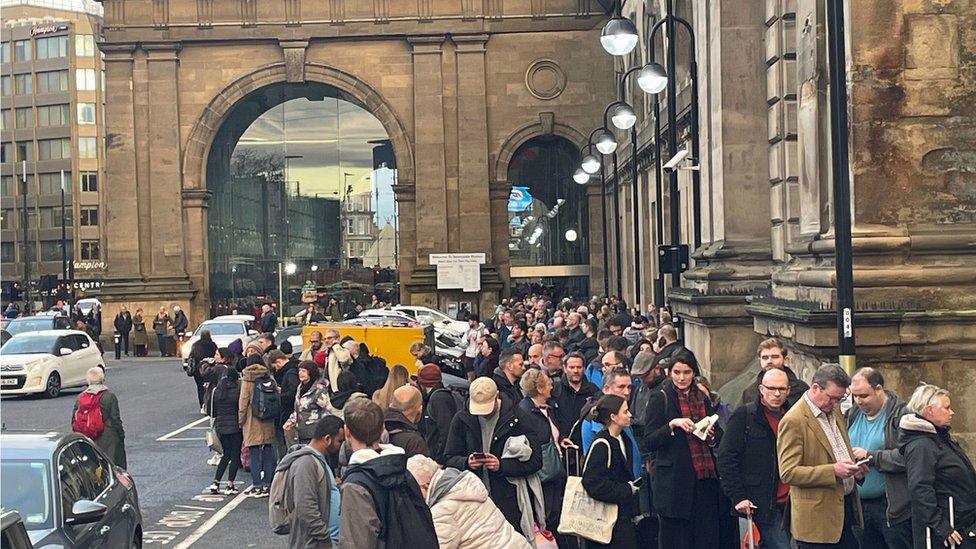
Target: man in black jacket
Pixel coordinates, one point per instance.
(440, 407)
(747, 462)
(123, 325)
(772, 354)
(180, 322)
(571, 391)
(400, 421)
(507, 374)
(477, 442)
(285, 374)
(269, 320)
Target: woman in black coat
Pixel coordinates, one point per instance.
(490, 350)
(202, 349)
(686, 491)
(223, 410)
(608, 473)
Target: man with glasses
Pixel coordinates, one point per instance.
(817, 461)
(552, 358)
(747, 460)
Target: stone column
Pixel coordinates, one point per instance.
(472, 134)
(498, 194)
(428, 90)
(595, 237)
(735, 256)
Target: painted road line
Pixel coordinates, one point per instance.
(169, 436)
(178, 521)
(211, 522)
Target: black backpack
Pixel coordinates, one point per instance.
(428, 427)
(265, 401)
(405, 519)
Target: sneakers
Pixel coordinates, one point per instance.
(230, 490)
(213, 460)
(264, 492)
(215, 488)
(258, 491)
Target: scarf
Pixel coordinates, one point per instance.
(691, 404)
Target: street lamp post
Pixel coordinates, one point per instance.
(64, 239)
(843, 253)
(26, 246)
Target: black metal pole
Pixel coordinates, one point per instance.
(64, 238)
(693, 129)
(606, 227)
(635, 199)
(616, 227)
(674, 200)
(658, 202)
(841, 185)
(26, 249)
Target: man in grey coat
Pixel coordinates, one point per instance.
(312, 494)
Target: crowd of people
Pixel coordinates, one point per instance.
(588, 399)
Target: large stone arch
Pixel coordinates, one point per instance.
(213, 115)
(524, 133)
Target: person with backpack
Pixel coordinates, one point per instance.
(440, 405)
(304, 501)
(224, 400)
(96, 415)
(259, 407)
(400, 420)
(381, 505)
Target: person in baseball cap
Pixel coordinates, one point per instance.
(483, 397)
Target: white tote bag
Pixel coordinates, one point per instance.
(584, 516)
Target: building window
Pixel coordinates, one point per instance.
(4, 119)
(7, 252)
(25, 151)
(51, 183)
(86, 113)
(52, 82)
(5, 52)
(25, 118)
(6, 152)
(22, 50)
(87, 147)
(6, 86)
(85, 79)
(54, 149)
(23, 84)
(53, 115)
(51, 250)
(7, 218)
(52, 48)
(7, 185)
(89, 182)
(84, 45)
(90, 249)
(89, 217)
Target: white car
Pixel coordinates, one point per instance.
(47, 361)
(426, 315)
(223, 330)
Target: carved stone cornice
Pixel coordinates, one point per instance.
(499, 190)
(196, 198)
(294, 54)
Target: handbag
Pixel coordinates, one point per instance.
(213, 440)
(552, 463)
(584, 516)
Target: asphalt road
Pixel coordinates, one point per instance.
(158, 401)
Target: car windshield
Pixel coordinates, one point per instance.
(221, 328)
(29, 344)
(29, 325)
(27, 488)
(437, 315)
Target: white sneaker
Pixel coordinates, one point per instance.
(214, 460)
(252, 491)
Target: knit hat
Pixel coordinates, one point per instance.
(429, 375)
(236, 347)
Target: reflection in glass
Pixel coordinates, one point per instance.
(300, 173)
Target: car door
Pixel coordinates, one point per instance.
(118, 522)
(88, 355)
(72, 372)
(75, 485)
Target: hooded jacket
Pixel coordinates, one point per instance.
(112, 439)
(889, 461)
(404, 434)
(313, 499)
(359, 522)
(256, 431)
(937, 468)
(287, 379)
(465, 517)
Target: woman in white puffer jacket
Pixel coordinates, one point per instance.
(464, 515)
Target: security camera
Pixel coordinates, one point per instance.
(675, 160)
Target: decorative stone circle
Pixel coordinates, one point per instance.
(545, 79)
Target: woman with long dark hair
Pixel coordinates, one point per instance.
(608, 473)
(490, 350)
(223, 410)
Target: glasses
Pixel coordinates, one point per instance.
(777, 390)
(554, 355)
(611, 364)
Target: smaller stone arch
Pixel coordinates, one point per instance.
(545, 126)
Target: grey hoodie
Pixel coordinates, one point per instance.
(310, 498)
(890, 461)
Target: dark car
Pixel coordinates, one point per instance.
(67, 492)
(38, 323)
(12, 531)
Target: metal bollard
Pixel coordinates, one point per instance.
(118, 346)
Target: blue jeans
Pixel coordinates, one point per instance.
(771, 533)
(263, 458)
(877, 533)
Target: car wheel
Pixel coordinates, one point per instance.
(53, 388)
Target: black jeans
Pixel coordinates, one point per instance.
(877, 533)
(232, 455)
(702, 531)
(201, 390)
(847, 539)
(124, 337)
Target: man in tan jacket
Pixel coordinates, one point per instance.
(815, 459)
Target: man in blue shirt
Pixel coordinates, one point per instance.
(616, 381)
(873, 429)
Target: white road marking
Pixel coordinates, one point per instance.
(168, 436)
(197, 508)
(211, 522)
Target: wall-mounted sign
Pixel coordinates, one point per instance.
(88, 265)
(47, 29)
(458, 271)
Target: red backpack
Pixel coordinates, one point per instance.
(88, 418)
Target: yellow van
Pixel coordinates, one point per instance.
(389, 342)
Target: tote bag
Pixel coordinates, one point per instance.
(584, 516)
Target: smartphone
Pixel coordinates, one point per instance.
(479, 455)
(637, 482)
(865, 461)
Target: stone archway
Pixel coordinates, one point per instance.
(545, 126)
(197, 150)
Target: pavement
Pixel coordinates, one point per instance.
(166, 450)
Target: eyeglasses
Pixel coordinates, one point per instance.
(611, 364)
(554, 355)
(777, 390)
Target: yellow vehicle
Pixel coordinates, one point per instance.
(389, 342)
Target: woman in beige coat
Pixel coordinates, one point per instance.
(259, 434)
